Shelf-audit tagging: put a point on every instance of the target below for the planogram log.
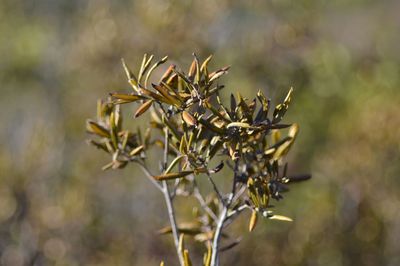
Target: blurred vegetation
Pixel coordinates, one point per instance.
(58, 57)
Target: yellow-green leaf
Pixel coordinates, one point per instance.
(207, 257)
(253, 220)
(164, 92)
(131, 77)
(217, 74)
(186, 258)
(155, 96)
(95, 128)
(162, 61)
(114, 135)
(173, 175)
(173, 163)
(126, 98)
(281, 109)
(205, 63)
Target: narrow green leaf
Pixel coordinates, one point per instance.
(160, 62)
(186, 258)
(113, 130)
(155, 96)
(174, 163)
(126, 98)
(164, 92)
(281, 109)
(131, 77)
(95, 128)
(170, 176)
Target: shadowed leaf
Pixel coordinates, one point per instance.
(173, 175)
(95, 128)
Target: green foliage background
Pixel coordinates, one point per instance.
(57, 57)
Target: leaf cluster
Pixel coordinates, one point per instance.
(202, 135)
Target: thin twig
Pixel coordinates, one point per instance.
(168, 201)
(217, 235)
(172, 220)
(231, 216)
(203, 204)
(239, 193)
(222, 218)
(235, 177)
(216, 189)
(237, 210)
(149, 175)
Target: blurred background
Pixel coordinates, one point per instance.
(58, 57)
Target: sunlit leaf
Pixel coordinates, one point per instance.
(253, 220)
(131, 77)
(207, 256)
(189, 119)
(283, 148)
(144, 67)
(158, 63)
(143, 108)
(186, 258)
(136, 150)
(281, 109)
(217, 74)
(174, 163)
(113, 129)
(167, 73)
(280, 218)
(238, 124)
(192, 69)
(126, 98)
(204, 68)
